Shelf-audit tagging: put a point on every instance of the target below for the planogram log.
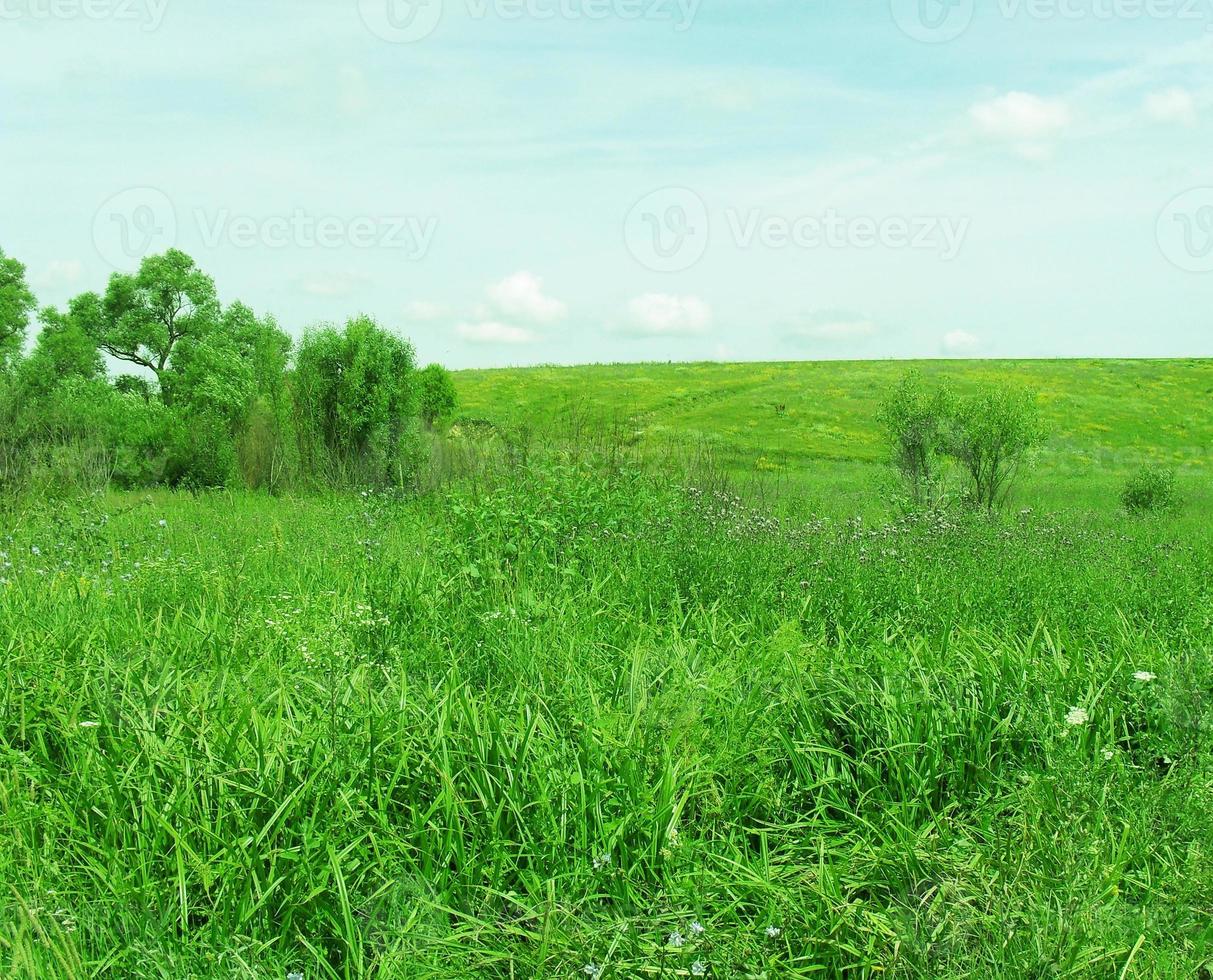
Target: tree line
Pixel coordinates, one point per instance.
(217, 395)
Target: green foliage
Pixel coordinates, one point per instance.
(144, 317)
(355, 394)
(551, 716)
(915, 420)
(1150, 489)
(63, 351)
(16, 305)
(436, 393)
(991, 434)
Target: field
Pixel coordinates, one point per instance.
(566, 714)
(1106, 417)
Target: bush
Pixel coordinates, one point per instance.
(992, 434)
(914, 419)
(1150, 489)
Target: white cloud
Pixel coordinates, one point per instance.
(1028, 122)
(960, 342)
(333, 283)
(423, 311)
(1174, 105)
(660, 314)
(521, 296)
(58, 272)
(494, 332)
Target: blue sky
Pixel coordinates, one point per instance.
(527, 181)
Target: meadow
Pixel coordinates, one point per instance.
(626, 702)
(812, 424)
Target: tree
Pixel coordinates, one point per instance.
(16, 305)
(144, 318)
(436, 393)
(915, 420)
(355, 392)
(991, 434)
(63, 350)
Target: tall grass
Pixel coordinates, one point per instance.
(554, 716)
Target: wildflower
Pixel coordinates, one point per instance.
(90, 724)
(163, 523)
(35, 550)
(1144, 677)
(677, 939)
(592, 970)
(1077, 716)
(773, 932)
(1109, 754)
(699, 968)
(602, 862)
(294, 975)
(697, 929)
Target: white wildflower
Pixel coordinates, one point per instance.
(1077, 716)
(592, 970)
(602, 862)
(677, 939)
(1109, 754)
(1144, 677)
(773, 932)
(697, 929)
(699, 968)
(90, 724)
(163, 523)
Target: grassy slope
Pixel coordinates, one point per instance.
(1105, 417)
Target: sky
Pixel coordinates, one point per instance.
(511, 182)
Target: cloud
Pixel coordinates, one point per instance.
(333, 283)
(422, 311)
(1175, 105)
(960, 342)
(58, 272)
(521, 296)
(662, 315)
(1028, 122)
(494, 332)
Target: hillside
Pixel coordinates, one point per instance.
(1105, 416)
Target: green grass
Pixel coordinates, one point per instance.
(1105, 417)
(362, 737)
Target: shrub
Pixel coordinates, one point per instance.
(1150, 489)
(914, 419)
(991, 434)
(436, 391)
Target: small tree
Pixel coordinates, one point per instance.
(915, 420)
(355, 395)
(16, 305)
(436, 393)
(991, 434)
